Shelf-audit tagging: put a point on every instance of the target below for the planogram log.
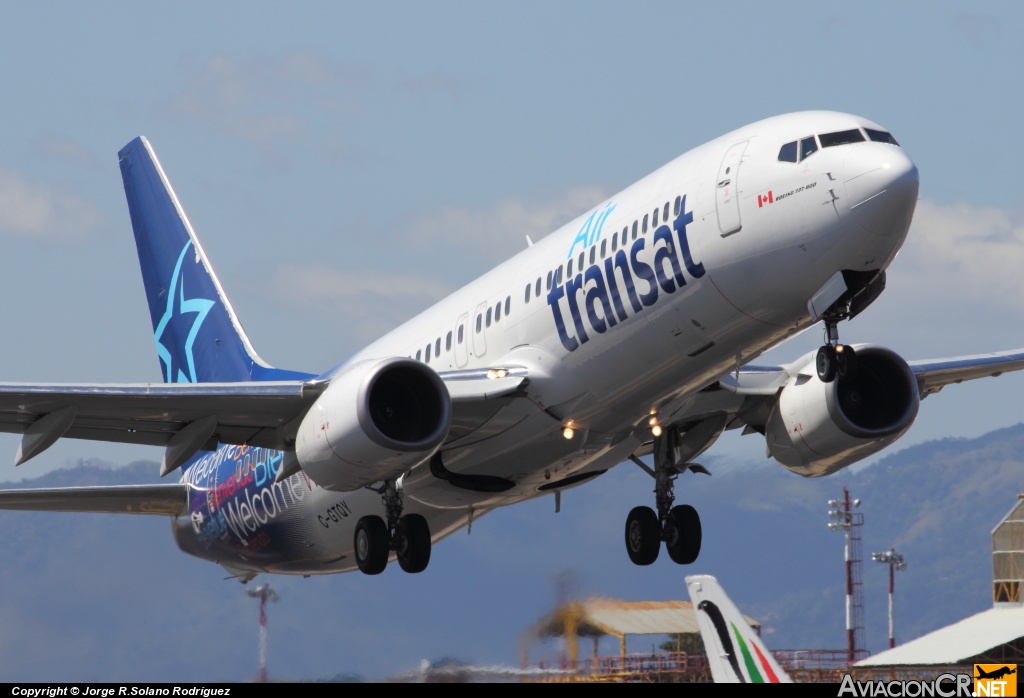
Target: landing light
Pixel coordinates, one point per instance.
(493, 373)
(568, 432)
(656, 430)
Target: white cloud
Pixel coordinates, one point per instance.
(499, 231)
(33, 209)
(324, 285)
(962, 253)
(265, 98)
(364, 303)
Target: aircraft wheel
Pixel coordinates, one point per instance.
(372, 545)
(414, 548)
(826, 363)
(846, 361)
(643, 536)
(683, 543)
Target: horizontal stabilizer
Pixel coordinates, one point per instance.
(164, 500)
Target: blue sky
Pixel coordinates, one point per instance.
(347, 164)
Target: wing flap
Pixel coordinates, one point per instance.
(164, 500)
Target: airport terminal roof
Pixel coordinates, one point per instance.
(597, 616)
(972, 637)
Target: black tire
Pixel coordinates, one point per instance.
(683, 543)
(372, 545)
(846, 363)
(826, 364)
(643, 536)
(414, 547)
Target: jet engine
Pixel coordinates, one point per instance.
(817, 428)
(375, 421)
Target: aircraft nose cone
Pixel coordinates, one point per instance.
(881, 184)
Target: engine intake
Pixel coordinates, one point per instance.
(375, 421)
(818, 428)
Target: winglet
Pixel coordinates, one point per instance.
(735, 652)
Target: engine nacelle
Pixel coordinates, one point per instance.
(818, 428)
(376, 420)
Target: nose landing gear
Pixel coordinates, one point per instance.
(834, 360)
(408, 536)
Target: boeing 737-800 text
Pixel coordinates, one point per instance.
(627, 332)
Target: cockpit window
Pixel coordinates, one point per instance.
(787, 153)
(841, 138)
(880, 136)
(807, 146)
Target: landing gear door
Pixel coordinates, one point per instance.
(727, 191)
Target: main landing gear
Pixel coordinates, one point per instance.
(834, 360)
(678, 526)
(408, 536)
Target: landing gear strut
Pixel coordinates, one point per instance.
(408, 536)
(834, 360)
(678, 526)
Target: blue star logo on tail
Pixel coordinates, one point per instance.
(174, 324)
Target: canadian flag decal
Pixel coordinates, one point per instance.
(763, 199)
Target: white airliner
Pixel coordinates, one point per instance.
(735, 651)
(627, 332)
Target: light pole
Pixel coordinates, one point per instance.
(845, 520)
(264, 593)
(895, 562)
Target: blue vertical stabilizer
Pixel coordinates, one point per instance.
(198, 337)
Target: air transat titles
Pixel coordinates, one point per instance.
(608, 288)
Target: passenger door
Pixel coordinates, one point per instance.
(727, 192)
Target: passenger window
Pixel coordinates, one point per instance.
(568, 270)
(448, 342)
(508, 304)
(807, 146)
(479, 320)
(581, 261)
(645, 226)
(549, 280)
(428, 354)
(536, 291)
(634, 230)
(593, 254)
(676, 207)
(419, 353)
(615, 242)
(497, 311)
(604, 248)
(787, 153)
(841, 138)
(461, 333)
(654, 221)
(558, 276)
(880, 136)
(488, 322)
(664, 216)
(527, 297)
(437, 347)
